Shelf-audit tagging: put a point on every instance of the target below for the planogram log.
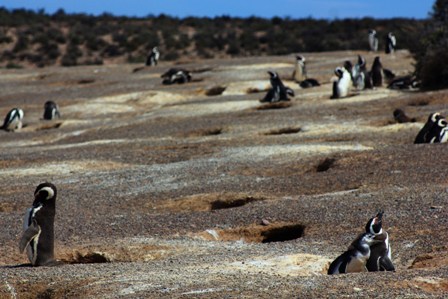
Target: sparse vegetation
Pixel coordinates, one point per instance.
(431, 50)
(36, 38)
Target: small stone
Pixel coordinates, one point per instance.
(265, 222)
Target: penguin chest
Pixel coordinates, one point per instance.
(356, 264)
(15, 124)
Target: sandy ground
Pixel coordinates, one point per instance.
(200, 191)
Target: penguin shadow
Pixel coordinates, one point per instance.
(275, 105)
(351, 95)
(29, 265)
(42, 126)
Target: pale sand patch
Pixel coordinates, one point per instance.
(124, 103)
(353, 128)
(305, 150)
(284, 265)
(241, 88)
(198, 109)
(63, 168)
(269, 66)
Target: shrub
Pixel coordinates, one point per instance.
(430, 52)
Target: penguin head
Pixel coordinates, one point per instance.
(442, 123)
(398, 113)
(348, 65)
(155, 49)
(372, 31)
(377, 62)
(434, 117)
(45, 194)
(374, 225)
(361, 61)
(339, 71)
(300, 58)
(368, 238)
(273, 74)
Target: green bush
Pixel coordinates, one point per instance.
(431, 49)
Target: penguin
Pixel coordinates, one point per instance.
(13, 120)
(310, 82)
(405, 82)
(401, 117)
(373, 40)
(175, 75)
(437, 133)
(423, 134)
(377, 72)
(51, 110)
(278, 91)
(342, 85)
(355, 258)
(391, 43)
(361, 77)
(153, 57)
(380, 258)
(38, 234)
(299, 74)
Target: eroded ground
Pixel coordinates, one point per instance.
(199, 190)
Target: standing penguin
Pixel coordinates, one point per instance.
(391, 43)
(380, 253)
(278, 91)
(361, 77)
(423, 134)
(342, 85)
(153, 57)
(373, 40)
(355, 258)
(13, 120)
(299, 73)
(377, 72)
(51, 110)
(38, 234)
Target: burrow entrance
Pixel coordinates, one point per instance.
(274, 232)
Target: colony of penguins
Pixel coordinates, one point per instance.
(370, 251)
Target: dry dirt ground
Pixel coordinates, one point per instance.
(200, 191)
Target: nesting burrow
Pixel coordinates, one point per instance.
(276, 105)
(419, 102)
(49, 126)
(325, 164)
(205, 132)
(210, 202)
(86, 81)
(215, 90)
(282, 131)
(114, 253)
(273, 232)
(435, 259)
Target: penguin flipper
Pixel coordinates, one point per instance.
(338, 265)
(386, 264)
(28, 235)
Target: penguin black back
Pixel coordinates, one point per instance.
(38, 235)
(13, 120)
(422, 136)
(51, 110)
(355, 258)
(377, 72)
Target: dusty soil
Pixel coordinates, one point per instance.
(200, 191)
